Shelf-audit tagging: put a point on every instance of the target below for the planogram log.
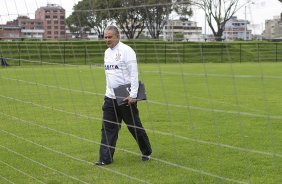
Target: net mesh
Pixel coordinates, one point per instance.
(213, 113)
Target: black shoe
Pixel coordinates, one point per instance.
(99, 163)
(146, 157)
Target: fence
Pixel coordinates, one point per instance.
(91, 52)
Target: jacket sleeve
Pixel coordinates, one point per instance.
(133, 72)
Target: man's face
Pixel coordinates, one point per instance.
(111, 38)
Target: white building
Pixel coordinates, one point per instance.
(179, 30)
(182, 30)
(273, 28)
(176, 30)
(236, 29)
(33, 33)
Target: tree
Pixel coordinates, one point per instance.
(157, 13)
(76, 21)
(100, 18)
(86, 18)
(182, 8)
(73, 26)
(179, 36)
(128, 17)
(97, 14)
(218, 13)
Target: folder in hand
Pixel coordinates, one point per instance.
(123, 91)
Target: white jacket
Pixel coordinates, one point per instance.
(121, 68)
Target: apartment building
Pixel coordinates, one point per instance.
(178, 30)
(29, 28)
(273, 28)
(182, 26)
(8, 32)
(53, 17)
(237, 29)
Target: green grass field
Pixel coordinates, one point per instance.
(208, 123)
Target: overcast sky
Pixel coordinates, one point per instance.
(256, 13)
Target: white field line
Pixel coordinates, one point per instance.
(217, 75)
(275, 117)
(65, 155)
(149, 130)
(39, 163)
(7, 180)
(136, 179)
(20, 171)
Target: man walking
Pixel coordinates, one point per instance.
(120, 68)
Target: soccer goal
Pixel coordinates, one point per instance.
(212, 113)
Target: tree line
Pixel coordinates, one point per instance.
(133, 16)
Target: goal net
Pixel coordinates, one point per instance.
(212, 114)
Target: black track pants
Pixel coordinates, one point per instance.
(112, 117)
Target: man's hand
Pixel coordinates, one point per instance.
(130, 100)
